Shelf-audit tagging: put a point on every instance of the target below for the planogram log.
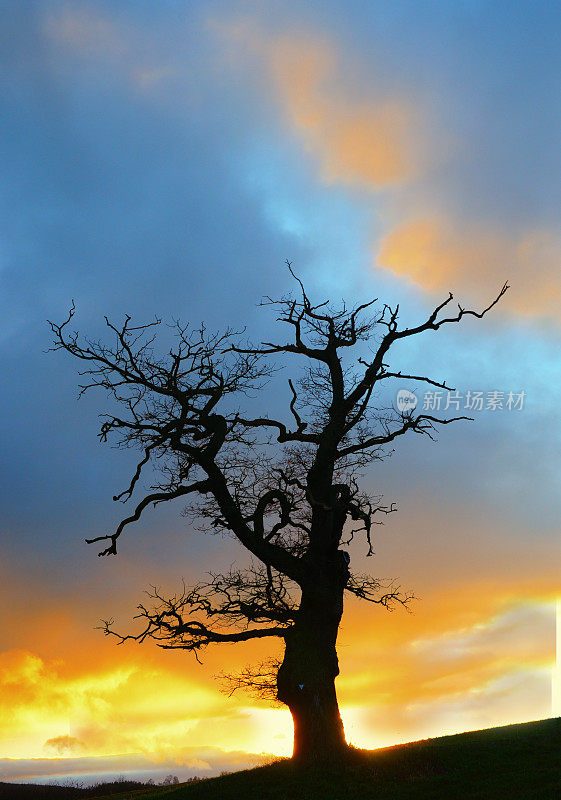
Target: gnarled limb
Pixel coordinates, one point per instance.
(218, 611)
(154, 499)
(423, 423)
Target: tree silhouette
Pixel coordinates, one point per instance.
(287, 489)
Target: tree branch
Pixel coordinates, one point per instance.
(415, 424)
(155, 498)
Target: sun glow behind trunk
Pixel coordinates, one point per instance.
(556, 676)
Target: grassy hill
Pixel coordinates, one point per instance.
(516, 762)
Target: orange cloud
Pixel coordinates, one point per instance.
(436, 255)
(110, 710)
(359, 140)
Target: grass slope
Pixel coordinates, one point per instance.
(33, 791)
(516, 762)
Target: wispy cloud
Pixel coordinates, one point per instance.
(361, 142)
(86, 30)
(437, 254)
(203, 762)
(89, 35)
(357, 139)
(496, 670)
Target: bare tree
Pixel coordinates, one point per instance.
(287, 489)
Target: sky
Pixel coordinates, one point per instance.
(165, 158)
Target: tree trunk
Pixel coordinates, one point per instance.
(306, 678)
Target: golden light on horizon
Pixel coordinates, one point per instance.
(556, 672)
(495, 668)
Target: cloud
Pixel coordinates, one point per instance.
(360, 142)
(89, 36)
(42, 696)
(408, 681)
(358, 139)
(86, 31)
(518, 696)
(202, 762)
(131, 705)
(437, 254)
(59, 745)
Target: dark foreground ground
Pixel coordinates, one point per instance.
(516, 762)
